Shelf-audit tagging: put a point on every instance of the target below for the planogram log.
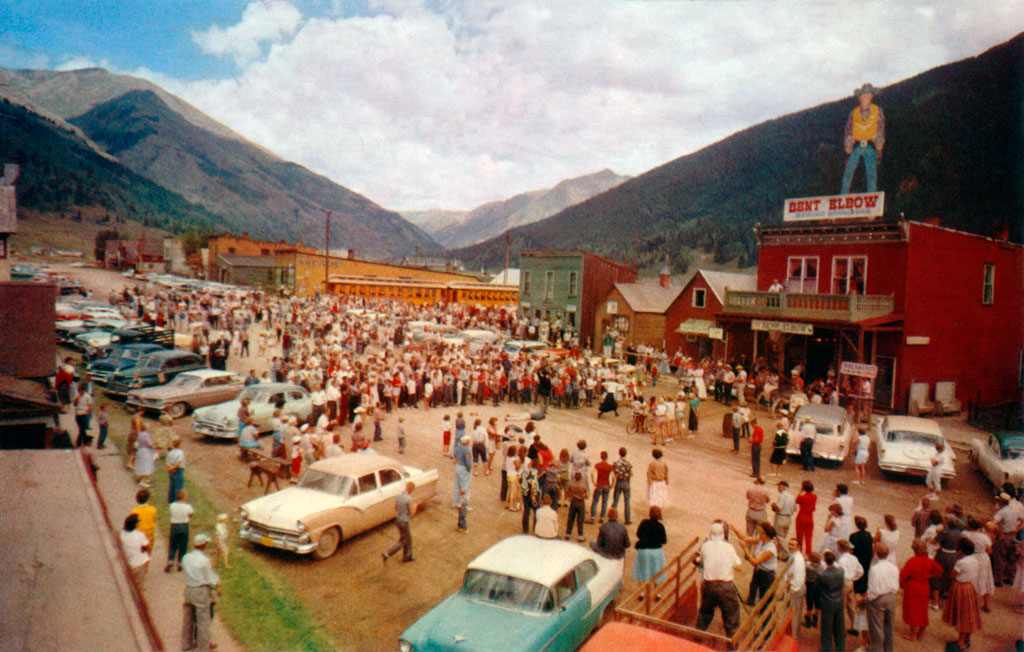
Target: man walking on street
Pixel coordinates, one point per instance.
(405, 510)
(623, 471)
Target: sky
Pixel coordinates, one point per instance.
(450, 104)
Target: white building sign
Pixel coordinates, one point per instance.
(858, 369)
(865, 204)
(792, 328)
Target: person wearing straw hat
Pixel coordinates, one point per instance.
(864, 138)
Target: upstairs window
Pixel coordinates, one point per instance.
(849, 274)
(700, 297)
(573, 283)
(526, 282)
(549, 286)
(988, 284)
(802, 277)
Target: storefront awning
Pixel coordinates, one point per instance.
(695, 327)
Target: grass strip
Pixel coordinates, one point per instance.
(259, 608)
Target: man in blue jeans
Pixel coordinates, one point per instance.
(864, 138)
(602, 473)
(623, 471)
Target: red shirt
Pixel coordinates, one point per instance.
(604, 470)
(806, 503)
(757, 435)
(546, 456)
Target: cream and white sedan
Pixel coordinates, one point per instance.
(336, 499)
(906, 446)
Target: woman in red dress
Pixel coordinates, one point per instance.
(914, 580)
(806, 502)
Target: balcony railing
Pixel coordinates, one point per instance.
(830, 307)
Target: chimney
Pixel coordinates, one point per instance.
(1002, 232)
(933, 221)
(665, 278)
(351, 254)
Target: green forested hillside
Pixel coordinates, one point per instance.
(59, 171)
(954, 151)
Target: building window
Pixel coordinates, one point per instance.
(802, 277)
(849, 274)
(573, 282)
(549, 286)
(264, 252)
(988, 286)
(231, 250)
(621, 323)
(700, 297)
(526, 281)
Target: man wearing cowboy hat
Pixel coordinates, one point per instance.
(864, 137)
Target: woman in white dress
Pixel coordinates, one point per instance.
(889, 534)
(860, 458)
(984, 583)
(837, 527)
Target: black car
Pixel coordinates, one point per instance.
(120, 358)
(155, 368)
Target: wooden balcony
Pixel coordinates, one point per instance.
(826, 307)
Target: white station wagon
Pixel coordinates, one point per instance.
(906, 445)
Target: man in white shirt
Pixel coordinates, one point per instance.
(852, 571)
(797, 575)
(202, 587)
(719, 562)
(784, 508)
(883, 583)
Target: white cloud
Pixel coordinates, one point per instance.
(265, 20)
(75, 62)
(415, 108)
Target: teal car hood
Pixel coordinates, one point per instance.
(462, 625)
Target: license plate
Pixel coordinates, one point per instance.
(267, 541)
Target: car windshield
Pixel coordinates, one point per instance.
(911, 437)
(337, 485)
(150, 361)
(506, 591)
(255, 394)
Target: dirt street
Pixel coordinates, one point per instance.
(365, 606)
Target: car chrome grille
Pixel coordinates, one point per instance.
(258, 529)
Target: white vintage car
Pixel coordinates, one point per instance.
(906, 445)
(336, 499)
(221, 420)
(833, 431)
(1000, 458)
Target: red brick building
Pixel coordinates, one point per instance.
(922, 302)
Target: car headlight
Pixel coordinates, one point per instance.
(405, 646)
(136, 382)
(227, 421)
(300, 525)
(244, 513)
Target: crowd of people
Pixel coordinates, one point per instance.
(360, 361)
(848, 585)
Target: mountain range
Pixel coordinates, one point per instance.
(953, 151)
(457, 229)
(237, 184)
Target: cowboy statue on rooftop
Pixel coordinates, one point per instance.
(864, 138)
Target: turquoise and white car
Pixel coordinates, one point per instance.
(523, 593)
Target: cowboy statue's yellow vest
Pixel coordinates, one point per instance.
(865, 128)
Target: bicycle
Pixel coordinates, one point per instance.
(643, 423)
